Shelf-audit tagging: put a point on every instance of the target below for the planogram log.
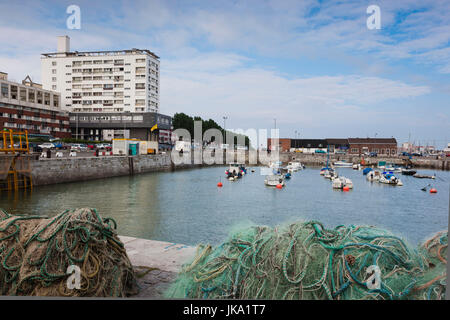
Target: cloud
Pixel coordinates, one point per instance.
(253, 94)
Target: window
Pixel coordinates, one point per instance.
(140, 85)
(355, 150)
(54, 79)
(31, 95)
(53, 87)
(4, 91)
(14, 92)
(140, 60)
(53, 63)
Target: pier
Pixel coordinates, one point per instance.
(156, 263)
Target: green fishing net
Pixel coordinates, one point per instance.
(304, 260)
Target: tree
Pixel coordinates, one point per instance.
(184, 121)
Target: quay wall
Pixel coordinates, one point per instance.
(320, 159)
(61, 170)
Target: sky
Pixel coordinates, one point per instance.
(312, 65)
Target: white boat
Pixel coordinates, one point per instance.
(373, 175)
(393, 168)
(343, 164)
(274, 180)
(356, 166)
(341, 182)
(389, 178)
(330, 174)
(294, 166)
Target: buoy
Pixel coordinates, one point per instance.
(220, 184)
(346, 188)
(279, 186)
(433, 190)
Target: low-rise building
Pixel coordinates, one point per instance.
(26, 106)
(382, 146)
(148, 126)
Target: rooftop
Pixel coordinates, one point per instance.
(99, 53)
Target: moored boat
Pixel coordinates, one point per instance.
(373, 175)
(341, 182)
(424, 176)
(408, 172)
(343, 164)
(390, 178)
(274, 180)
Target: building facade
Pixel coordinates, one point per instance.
(27, 106)
(283, 145)
(382, 146)
(149, 126)
(102, 81)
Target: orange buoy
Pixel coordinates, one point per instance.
(346, 189)
(279, 186)
(220, 184)
(433, 190)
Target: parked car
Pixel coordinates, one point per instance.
(47, 145)
(340, 152)
(92, 146)
(105, 146)
(320, 151)
(373, 154)
(78, 147)
(416, 154)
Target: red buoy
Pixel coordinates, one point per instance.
(220, 184)
(346, 189)
(433, 190)
(279, 186)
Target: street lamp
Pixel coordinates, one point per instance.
(224, 121)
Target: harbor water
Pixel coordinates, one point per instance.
(187, 207)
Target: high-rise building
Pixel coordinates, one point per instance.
(102, 81)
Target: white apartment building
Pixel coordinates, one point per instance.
(102, 81)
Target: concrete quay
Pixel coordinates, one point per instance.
(61, 170)
(156, 263)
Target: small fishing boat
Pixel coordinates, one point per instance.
(356, 166)
(274, 180)
(341, 182)
(424, 176)
(285, 172)
(373, 175)
(367, 170)
(343, 164)
(393, 168)
(330, 174)
(295, 166)
(408, 172)
(390, 178)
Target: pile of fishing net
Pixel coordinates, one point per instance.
(305, 260)
(39, 256)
